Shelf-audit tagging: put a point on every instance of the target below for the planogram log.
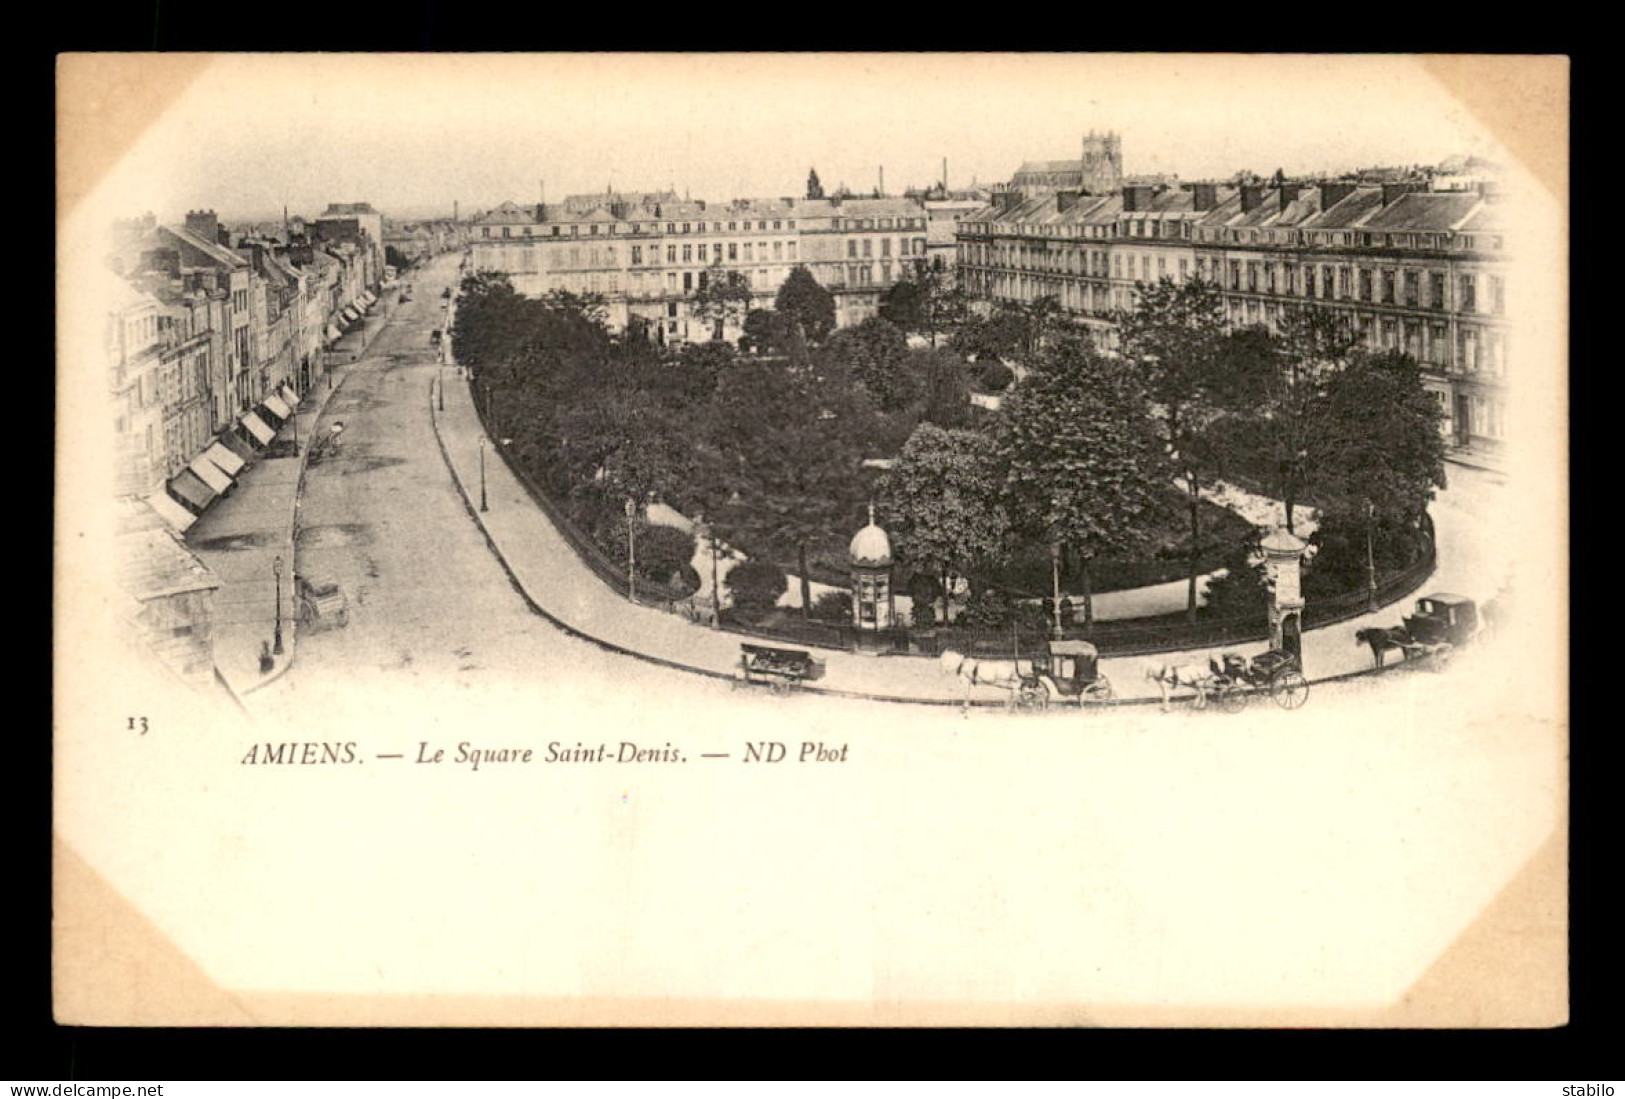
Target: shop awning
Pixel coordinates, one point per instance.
(368, 299)
(189, 487)
(289, 394)
(227, 459)
(211, 474)
(233, 442)
(170, 512)
(256, 427)
(279, 408)
(351, 313)
(333, 333)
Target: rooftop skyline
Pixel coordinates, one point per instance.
(251, 134)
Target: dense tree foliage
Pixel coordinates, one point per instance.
(1174, 336)
(875, 353)
(807, 304)
(1084, 466)
(755, 586)
(944, 502)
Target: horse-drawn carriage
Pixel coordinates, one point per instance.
(1275, 672)
(1442, 623)
(1232, 679)
(322, 605)
(1069, 671)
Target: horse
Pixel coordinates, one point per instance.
(973, 671)
(1383, 638)
(1197, 676)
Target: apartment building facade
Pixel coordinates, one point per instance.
(649, 259)
(1414, 270)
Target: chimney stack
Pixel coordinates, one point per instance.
(1137, 197)
(205, 224)
(1252, 194)
(1289, 194)
(1333, 193)
(1391, 191)
(1066, 200)
(1204, 196)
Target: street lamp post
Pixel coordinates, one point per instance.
(1055, 575)
(276, 571)
(483, 505)
(703, 529)
(631, 550)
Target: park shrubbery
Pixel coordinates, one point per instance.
(1080, 459)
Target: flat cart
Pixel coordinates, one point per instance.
(1275, 672)
(1068, 672)
(780, 669)
(322, 604)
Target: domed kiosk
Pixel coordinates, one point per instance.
(873, 606)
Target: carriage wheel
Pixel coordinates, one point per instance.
(1289, 689)
(1232, 698)
(1101, 692)
(1032, 696)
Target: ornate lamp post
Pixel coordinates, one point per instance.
(483, 505)
(276, 571)
(703, 529)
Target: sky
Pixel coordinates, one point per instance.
(413, 133)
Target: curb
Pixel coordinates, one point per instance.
(709, 673)
(293, 543)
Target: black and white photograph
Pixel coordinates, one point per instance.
(811, 540)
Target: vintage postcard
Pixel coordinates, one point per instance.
(811, 539)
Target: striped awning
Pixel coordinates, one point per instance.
(190, 487)
(351, 313)
(289, 394)
(210, 474)
(278, 407)
(227, 459)
(256, 427)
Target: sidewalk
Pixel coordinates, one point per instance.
(548, 572)
(241, 536)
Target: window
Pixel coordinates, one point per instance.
(637, 254)
(790, 250)
(688, 281)
(1388, 287)
(733, 251)
(686, 226)
(1365, 285)
(1413, 289)
(748, 250)
(703, 249)
(1469, 294)
(868, 247)
(1498, 301)
(671, 253)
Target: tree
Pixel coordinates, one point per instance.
(1285, 434)
(1175, 334)
(1384, 454)
(944, 502)
(943, 377)
(755, 585)
(807, 304)
(875, 352)
(722, 299)
(1085, 466)
(663, 552)
(789, 445)
(925, 304)
(815, 189)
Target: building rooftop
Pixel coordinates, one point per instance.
(1436, 211)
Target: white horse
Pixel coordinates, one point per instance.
(1197, 675)
(974, 671)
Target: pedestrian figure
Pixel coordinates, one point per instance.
(266, 661)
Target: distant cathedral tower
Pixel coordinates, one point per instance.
(1102, 166)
